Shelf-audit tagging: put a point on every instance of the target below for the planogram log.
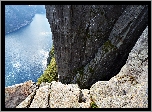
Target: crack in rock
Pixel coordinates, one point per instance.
(27, 102)
(41, 98)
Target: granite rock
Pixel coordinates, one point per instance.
(99, 59)
(68, 96)
(41, 98)
(129, 88)
(57, 95)
(27, 102)
(17, 93)
(92, 42)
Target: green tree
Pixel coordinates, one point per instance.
(50, 74)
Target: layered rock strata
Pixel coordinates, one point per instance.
(92, 42)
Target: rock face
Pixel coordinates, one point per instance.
(128, 89)
(17, 16)
(92, 42)
(14, 95)
(57, 95)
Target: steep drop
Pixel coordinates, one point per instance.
(92, 42)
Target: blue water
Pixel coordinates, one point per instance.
(26, 51)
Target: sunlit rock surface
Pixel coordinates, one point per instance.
(15, 94)
(57, 95)
(129, 88)
(92, 42)
(41, 98)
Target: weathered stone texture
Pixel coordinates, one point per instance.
(68, 96)
(61, 95)
(92, 42)
(57, 95)
(15, 94)
(129, 88)
(27, 102)
(41, 98)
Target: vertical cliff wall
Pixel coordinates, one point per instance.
(92, 42)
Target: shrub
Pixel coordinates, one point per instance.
(50, 74)
(52, 52)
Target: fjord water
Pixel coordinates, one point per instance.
(26, 51)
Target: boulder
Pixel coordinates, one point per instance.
(68, 96)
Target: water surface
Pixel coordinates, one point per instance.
(26, 51)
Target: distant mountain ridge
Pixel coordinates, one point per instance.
(17, 16)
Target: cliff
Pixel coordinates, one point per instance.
(17, 16)
(102, 57)
(92, 42)
(128, 89)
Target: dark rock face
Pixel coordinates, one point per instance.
(92, 42)
(17, 16)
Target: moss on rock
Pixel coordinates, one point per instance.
(91, 70)
(108, 46)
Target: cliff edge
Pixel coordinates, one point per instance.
(92, 42)
(128, 89)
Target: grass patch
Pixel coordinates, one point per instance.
(93, 104)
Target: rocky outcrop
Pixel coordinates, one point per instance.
(18, 16)
(128, 89)
(92, 42)
(57, 95)
(15, 94)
